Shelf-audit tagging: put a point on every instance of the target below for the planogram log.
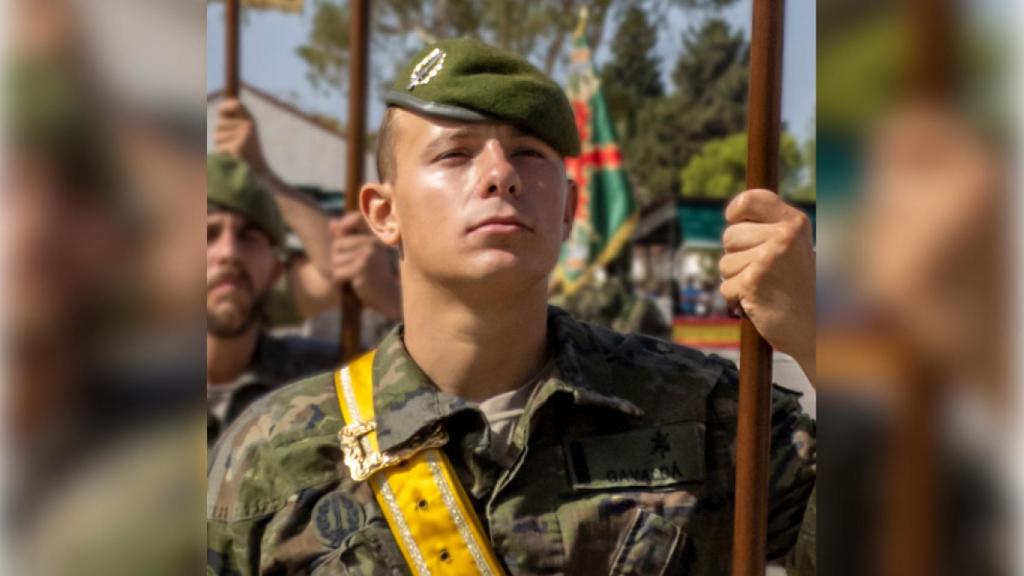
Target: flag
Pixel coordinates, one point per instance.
(605, 212)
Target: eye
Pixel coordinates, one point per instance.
(254, 236)
(529, 152)
(452, 155)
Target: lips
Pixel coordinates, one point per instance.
(230, 280)
(500, 223)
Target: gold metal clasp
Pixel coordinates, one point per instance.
(363, 463)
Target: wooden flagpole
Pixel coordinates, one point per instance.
(351, 308)
(764, 110)
(231, 52)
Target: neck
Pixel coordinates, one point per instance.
(475, 350)
(228, 358)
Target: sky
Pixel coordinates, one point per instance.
(270, 63)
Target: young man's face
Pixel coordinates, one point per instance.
(240, 268)
(478, 204)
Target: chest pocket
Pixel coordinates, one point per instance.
(634, 493)
(625, 533)
(652, 546)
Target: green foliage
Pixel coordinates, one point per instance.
(326, 50)
(719, 170)
(709, 103)
(634, 74)
(539, 29)
(808, 191)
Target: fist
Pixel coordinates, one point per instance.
(359, 258)
(768, 270)
(236, 134)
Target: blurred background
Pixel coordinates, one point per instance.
(917, 133)
(903, 114)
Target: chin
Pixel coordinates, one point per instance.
(502, 271)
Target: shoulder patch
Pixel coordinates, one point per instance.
(336, 516)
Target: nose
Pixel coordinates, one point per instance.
(500, 176)
(224, 247)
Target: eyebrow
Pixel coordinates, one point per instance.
(453, 135)
(468, 132)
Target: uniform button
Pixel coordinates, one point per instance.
(422, 504)
(445, 556)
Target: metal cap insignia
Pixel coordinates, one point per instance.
(427, 68)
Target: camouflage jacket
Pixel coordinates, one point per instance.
(276, 361)
(625, 465)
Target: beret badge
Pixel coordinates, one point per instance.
(427, 68)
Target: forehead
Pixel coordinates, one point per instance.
(416, 128)
(225, 216)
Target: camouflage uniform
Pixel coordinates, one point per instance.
(624, 464)
(276, 361)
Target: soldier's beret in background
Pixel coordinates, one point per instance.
(231, 185)
(467, 80)
(47, 114)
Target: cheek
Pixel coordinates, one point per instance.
(548, 196)
(261, 268)
(429, 212)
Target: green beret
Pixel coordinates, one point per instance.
(467, 80)
(47, 115)
(231, 185)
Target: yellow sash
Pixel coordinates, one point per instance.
(429, 513)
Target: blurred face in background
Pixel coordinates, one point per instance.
(241, 266)
(64, 246)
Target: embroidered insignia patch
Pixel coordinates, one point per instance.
(335, 517)
(659, 444)
(660, 456)
(427, 68)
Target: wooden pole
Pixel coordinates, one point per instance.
(231, 52)
(912, 514)
(750, 522)
(351, 309)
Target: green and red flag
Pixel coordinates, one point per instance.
(605, 212)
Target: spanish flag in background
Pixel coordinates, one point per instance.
(605, 212)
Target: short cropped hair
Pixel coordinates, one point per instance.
(386, 147)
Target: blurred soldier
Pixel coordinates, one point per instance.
(249, 205)
(490, 433)
(337, 251)
(243, 231)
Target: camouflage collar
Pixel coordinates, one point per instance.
(582, 364)
(406, 401)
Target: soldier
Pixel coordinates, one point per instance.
(243, 231)
(490, 433)
(337, 251)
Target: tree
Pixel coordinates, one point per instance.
(719, 170)
(537, 29)
(808, 191)
(709, 103)
(634, 74)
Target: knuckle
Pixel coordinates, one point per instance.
(788, 232)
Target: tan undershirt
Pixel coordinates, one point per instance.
(503, 412)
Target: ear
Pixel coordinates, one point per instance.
(569, 214)
(376, 202)
(276, 270)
